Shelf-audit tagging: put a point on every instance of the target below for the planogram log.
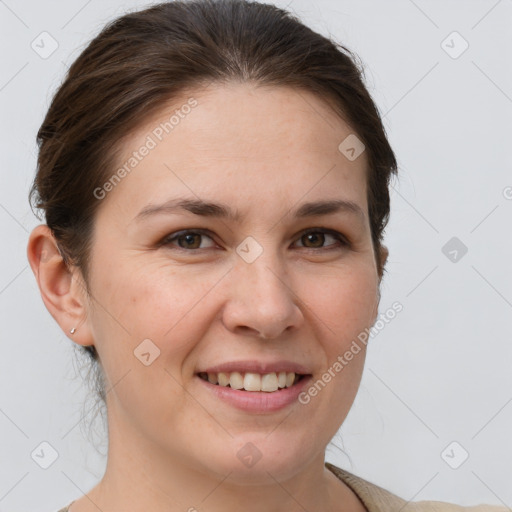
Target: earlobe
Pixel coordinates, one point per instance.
(61, 288)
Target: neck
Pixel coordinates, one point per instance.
(140, 475)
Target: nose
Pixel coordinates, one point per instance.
(261, 301)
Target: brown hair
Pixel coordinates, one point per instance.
(144, 59)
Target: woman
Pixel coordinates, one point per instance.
(214, 178)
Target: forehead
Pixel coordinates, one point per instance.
(240, 141)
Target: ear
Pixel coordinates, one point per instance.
(383, 258)
(384, 253)
(62, 289)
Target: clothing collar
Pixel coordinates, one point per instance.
(373, 497)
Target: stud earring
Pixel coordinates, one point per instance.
(72, 331)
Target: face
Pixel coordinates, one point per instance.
(177, 292)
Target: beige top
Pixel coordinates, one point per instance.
(377, 499)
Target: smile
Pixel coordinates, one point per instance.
(250, 381)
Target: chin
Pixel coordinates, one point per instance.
(260, 459)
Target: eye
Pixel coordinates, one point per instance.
(317, 236)
(191, 239)
(187, 239)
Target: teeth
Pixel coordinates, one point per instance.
(269, 382)
(223, 379)
(252, 382)
(249, 381)
(236, 381)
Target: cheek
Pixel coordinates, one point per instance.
(163, 305)
(169, 305)
(150, 295)
(166, 301)
(344, 303)
(174, 306)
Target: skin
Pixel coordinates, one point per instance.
(263, 151)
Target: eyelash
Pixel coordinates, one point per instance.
(338, 236)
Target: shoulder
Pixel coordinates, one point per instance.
(439, 506)
(377, 499)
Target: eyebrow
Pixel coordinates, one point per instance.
(219, 210)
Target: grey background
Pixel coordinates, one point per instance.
(438, 373)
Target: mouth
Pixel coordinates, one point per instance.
(273, 382)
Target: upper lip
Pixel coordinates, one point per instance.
(257, 367)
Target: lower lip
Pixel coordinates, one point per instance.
(258, 401)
